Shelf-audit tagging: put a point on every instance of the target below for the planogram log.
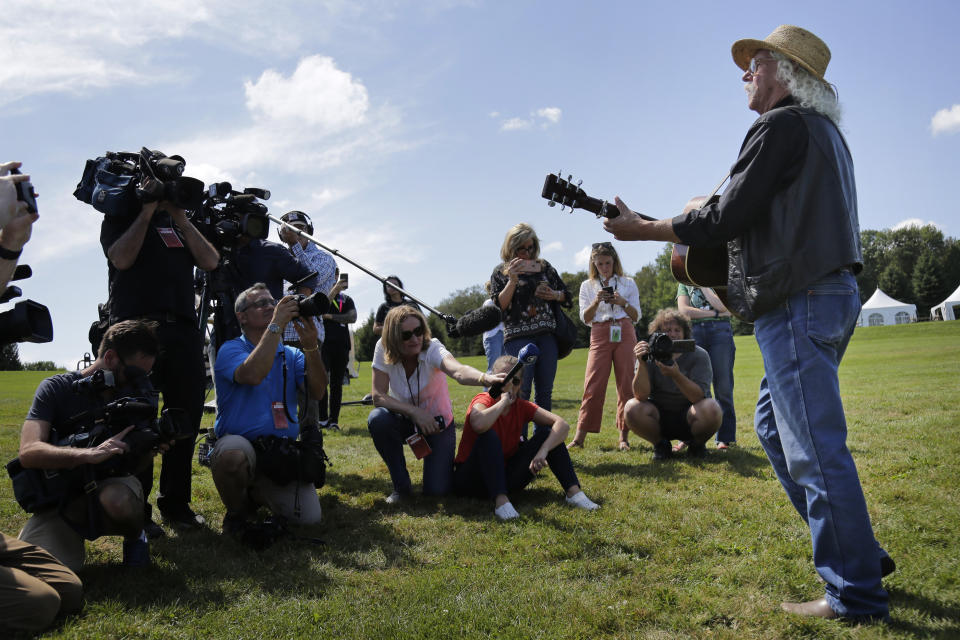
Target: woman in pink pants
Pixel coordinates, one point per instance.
(609, 305)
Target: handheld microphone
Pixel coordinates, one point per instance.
(473, 323)
(527, 355)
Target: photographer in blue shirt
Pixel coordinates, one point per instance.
(256, 378)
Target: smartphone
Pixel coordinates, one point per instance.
(607, 290)
(531, 266)
(343, 279)
(26, 193)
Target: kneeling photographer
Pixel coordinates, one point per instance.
(257, 460)
(89, 432)
(671, 389)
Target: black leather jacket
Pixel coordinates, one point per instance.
(795, 233)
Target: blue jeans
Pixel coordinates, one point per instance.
(390, 430)
(542, 372)
(800, 423)
(716, 337)
(493, 347)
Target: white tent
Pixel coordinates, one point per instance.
(949, 309)
(881, 309)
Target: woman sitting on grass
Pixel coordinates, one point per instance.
(492, 461)
(410, 371)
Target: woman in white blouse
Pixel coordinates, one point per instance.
(609, 305)
(410, 392)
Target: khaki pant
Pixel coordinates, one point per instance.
(602, 354)
(34, 587)
(49, 530)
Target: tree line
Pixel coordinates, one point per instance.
(914, 264)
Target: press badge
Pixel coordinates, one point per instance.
(170, 237)
(279, 416)
(615, 331)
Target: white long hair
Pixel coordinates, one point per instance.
(808, 91)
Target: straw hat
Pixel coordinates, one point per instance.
(801, 46)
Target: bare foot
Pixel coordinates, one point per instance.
(575, 445)
(624, 445)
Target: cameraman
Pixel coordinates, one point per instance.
(116, 505)
(151, 260)
(257, 378)
(16, 222)
(671, 400)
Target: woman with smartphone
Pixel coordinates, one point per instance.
(609, 305)
(528, 290)
(410, 371)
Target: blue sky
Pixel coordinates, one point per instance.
(416, 133)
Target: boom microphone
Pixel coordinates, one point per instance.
(527, 355)
(473, 323)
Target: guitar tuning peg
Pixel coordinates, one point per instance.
(551, 203)
(579, 182)
(569, 177)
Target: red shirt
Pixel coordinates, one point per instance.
(509, 426)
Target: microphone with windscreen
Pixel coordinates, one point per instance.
(527, 355)
(473, 323)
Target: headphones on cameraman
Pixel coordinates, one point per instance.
(297, 216)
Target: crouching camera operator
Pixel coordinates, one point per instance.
(89, 432)
(671, 389)
(256, 460)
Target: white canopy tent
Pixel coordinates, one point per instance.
(881, 310)
(949, 309)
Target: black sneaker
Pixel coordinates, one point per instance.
(887, 566)
(662, 450)
(184, 518)
(696, 450)
(136, 551)
(153, 530)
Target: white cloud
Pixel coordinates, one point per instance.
(544, 117)
(316, 94)
(513, 124)
(552, 247)
(550, 114)
(914, 222)
(946, 121)
(581, 258)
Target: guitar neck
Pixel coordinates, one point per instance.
(603, 208)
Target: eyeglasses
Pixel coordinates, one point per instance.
(515, 380)
(603, 245)
(260, 304)
(406, 335)
(528, 248)
(756, 62)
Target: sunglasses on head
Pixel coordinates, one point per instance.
(602, 245)
(406, 335)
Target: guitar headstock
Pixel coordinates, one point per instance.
(557, 189)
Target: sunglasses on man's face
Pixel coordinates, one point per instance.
(406, 335)
(261, 303)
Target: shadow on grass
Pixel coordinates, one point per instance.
(928, 609)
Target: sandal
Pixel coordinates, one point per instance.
(623, 445)
(722, 446)
(680, 446)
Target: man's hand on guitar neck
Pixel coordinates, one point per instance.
(630, 226)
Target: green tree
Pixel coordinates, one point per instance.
(458, 304)
(657, 287)
(41, 365)
(364, 340)
(895, 282)
(10, 357)
(927, 283)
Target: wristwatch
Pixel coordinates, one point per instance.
(273, 327)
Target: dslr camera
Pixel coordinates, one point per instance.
(662, 347)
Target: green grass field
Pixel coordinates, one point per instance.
(683, 549)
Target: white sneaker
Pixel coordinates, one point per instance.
(394, 498)
(506, 512)
(581, 501)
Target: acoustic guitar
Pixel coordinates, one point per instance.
(693, 266)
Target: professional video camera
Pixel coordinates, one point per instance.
(118, 183)
(28, 321)
(229, 215)
(662, 347)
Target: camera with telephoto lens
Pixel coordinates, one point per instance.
(228, 215)
(662, 347)
(313, 305)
